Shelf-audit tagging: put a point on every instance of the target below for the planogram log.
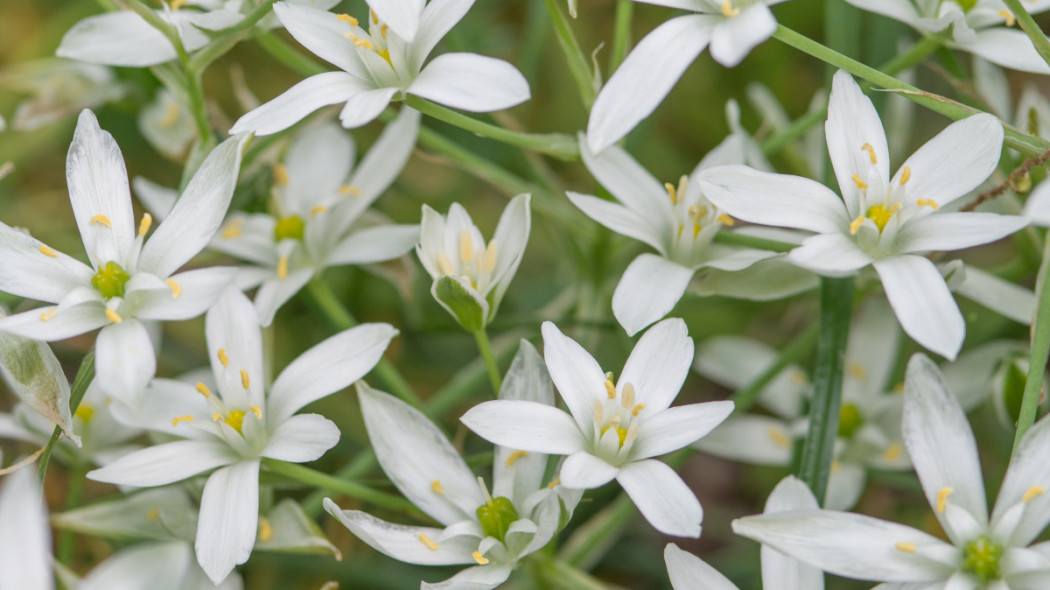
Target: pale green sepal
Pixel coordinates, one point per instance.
(160, 514)
(462, 301)
(289, 530)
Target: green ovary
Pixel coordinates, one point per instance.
(966, 5)
(849, 420)
(981, 558)
(289, 227)
(110, 280)
(496, 517)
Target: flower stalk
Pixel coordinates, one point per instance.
(85, 375)
(1033, 387)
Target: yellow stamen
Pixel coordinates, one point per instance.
(637, 409)
(113, 316)
(265, 529)
(203, 389)
(256, 411)
(610, 389)
(779, 438)
(856, 369)
(437, 487)
(346, 18)
(491, 253)
(905, 175)
(233, 229)
(176, 289)
(223, 357)
(928, 203)
(47, 315)
(725, 219)
(671, 191)
(282, 267)
(48, 251)
(627, 396)
(854, 226)
(942, 498)
(349, 189)
(359, 42)
(144, 225)
(1032, 492)
(187, 418)
(798, 377)
(466, 246)
(280, 174)
(555, 483)
(176, 4)
(372, 15)
(892, 452)
(905, 547)
(102, 219)
(696, 230)
(860, 183)
(426, 541)
(171, 115)
(477, 554)
(871, 152)
(728, 10)
(318, 210)
(1006, 14)
(515, 456)
(216, 417)
(835, 466)
(85, 412)
(153, 514)
(383, 31)
(245, 382)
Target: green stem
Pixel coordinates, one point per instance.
(581, 71)
(1028, 25)
(1028, 144)
(485, 347)
(342, 320)
(836, 303)
(317, 479)
(221, 44)
(558, 574)
(559, 145)
(287, 55)
(1040, 351)
(74, 495)
(85, 374)
(738, 239)
(792, 353)
(621, 34)
(593, 537)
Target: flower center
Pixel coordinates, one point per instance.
(691, 220)
(476, 261)
(110, 280)
(881, 214)
(981, 558)
(850, 420)
(616, 413)
(495, 515)
(290, 227)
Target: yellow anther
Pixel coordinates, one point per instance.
(437, 487)
(637, 409)
(610, 389)
(346, 18)
(515, 456)
(233, 229)
(426, 541)
(176, 4)
(203, 389)
(905, 175)
(444, 265)
(728, 10)
(223, 357)
(860, 183)
(942, 498)
(383, 31)
(672, 192)
(216, 417)
(256, 411)
(477, 554)
(871, 152)
(113, 316)
(892, 452)
(144, 225)
(696, 230)
(466, 246)
(365, 43)
(176, 289)
(280, 174)
(1032, 492)
(47, 315)
(187, 418)
(372, 15)
(491, 255)
(627, 396)
(599, 413)
(857, 370)
(245, 382)
(102, 219)
(928, 203)
(854, 226)
(1006, 14)
(282, 267)
(349, 189)
(554, 483)
(905, 547)
(265, 529)
(798, 377)
(835, 466)
(85, 412)
(725, 219)
(318, 210)
(48, 251)
(779, 438)
(153, 514)
(171, 115)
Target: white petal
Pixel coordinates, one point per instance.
(65, 322)
(402, 15)
(954, 231)
(98, 186)
(649, 289)
(118, 39)
(774, 199)
(1037, 207)
(662, 497)
(317, 163)
(734, 362)
(765, 280)
(375, 244)
(387, 156)
(28, 272)
(677, 427)
(579, 379)
(328, 367)
(659, 364)
(780, 572)
(197, 291)
(751, 439)
(1028, 474)
(583, 471)
(439, 16)
(299, 101)
(125, 360)
(228, 519)
(922, 303)
(655, 64)
(1004, 297)
(157, 199)
(852, 124)
(365, 106)
(275, 292)
(955, 161)
(471, 82)
(790, 494)
(1009, 48)
(231, 326)
(197, 214)
(733, 38)
(941, 445)
(404, 543)
(25, 539)
(845, 486)
(478, 577)
(511, 236)
(323, 34)
(832, 255)
(689, 572)
(158, 566)
(525, 425)
(166, 463)
(301, 438)
(415, 454)
(620, 219)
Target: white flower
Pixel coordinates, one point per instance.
(492, 531)
(237, 424)
(980, 552)
(779, 572)
(880, 221)
(25, 537)
(732, 28)
(130, 279)
(57, 88)
(679, 222)
(973, 25)
(614, 430)
(471, 275)
(380, 65)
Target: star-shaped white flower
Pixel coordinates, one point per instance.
(980, 552)
(380, 65)
(614, 430)
(130, 279)
(879, 221)
(233, 426)
(732, 28)
(25, 538)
